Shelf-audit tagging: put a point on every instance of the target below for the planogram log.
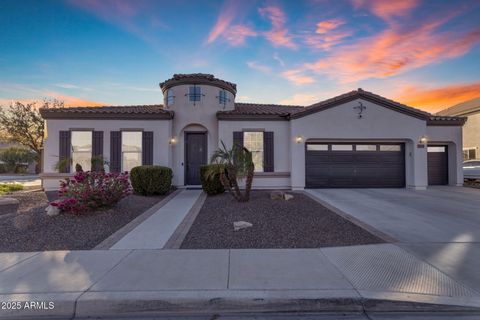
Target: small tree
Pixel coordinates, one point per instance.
(13, 157)
(23, 124)
(236, 165)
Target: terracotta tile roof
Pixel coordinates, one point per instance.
(198, 78)
(265, 109)
(139, 111)
(464, 108)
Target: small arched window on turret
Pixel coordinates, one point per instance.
(223, 98)
(170, 97)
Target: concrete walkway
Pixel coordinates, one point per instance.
(154, 232)
(113, 283)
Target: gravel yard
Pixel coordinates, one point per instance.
(32, 230)
(297, 223)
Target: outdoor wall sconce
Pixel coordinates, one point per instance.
(423, 140)
(172, 141)
(298, 139)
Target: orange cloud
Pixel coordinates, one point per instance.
(225, 18)
(326, 42)
(278, 35)
(387, 9)
(328, 25)
(393, 51)
(297, 77)
(236, 35)
(436, 99)
(71, 101)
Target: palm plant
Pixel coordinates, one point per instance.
(235, 164)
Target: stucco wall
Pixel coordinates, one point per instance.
(198, 117)
(452, 137)
(377, 124)
(161, 133)
(471, 133)
(281, 152)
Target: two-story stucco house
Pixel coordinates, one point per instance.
(471, 130)
(358, 139)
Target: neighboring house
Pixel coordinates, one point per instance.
(357, 139)
(471, 130)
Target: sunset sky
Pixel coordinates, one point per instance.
(90, 52)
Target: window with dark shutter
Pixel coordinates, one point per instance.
(64, 151)
(268, 152)
(97, 150)
(147, 148)
(115, 151)
(238, 138)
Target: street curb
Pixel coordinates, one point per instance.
(122, 232)
(121, 304)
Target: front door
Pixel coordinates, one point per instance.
(195, 156)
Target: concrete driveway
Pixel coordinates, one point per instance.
(440, 225)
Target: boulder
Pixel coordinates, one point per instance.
(287, 196)
(52, 211)
(238, 225)
(8, 205)
(277, 195)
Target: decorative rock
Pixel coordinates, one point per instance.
(52, 211)
(277, 195)
(238, 225)
(8, 205)
(288, 196)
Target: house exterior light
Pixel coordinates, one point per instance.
(172, 141)
(423, 140)
(298, 139)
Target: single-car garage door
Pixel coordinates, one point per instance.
(354, 165)
(437, 161)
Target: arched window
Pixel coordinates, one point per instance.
(170, 97)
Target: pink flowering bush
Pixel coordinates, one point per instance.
(88, 191)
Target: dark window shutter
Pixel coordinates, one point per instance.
(115, 151)
(65, 146)
(268, 152)
(97, 149)
(147, 148)
(238, 138)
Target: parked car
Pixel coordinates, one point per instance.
(471, 169)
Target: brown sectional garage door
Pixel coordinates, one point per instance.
(354, 165)
(437, 158)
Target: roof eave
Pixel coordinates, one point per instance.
(106, 116)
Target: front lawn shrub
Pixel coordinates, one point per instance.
(151, 180)
(15, 157)
(10, 187)
(3, 168)
(88, 191)
(210, 177)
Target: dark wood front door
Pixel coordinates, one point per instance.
(195, 156)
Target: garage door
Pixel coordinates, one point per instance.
(354, 165)
(437, 159)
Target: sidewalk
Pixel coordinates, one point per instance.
(118, 282)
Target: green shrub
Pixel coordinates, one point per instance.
(10, 187)
(14, 157)
(210, 177)
(3, 168)
(150, 180)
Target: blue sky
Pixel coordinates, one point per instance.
(424, 53)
